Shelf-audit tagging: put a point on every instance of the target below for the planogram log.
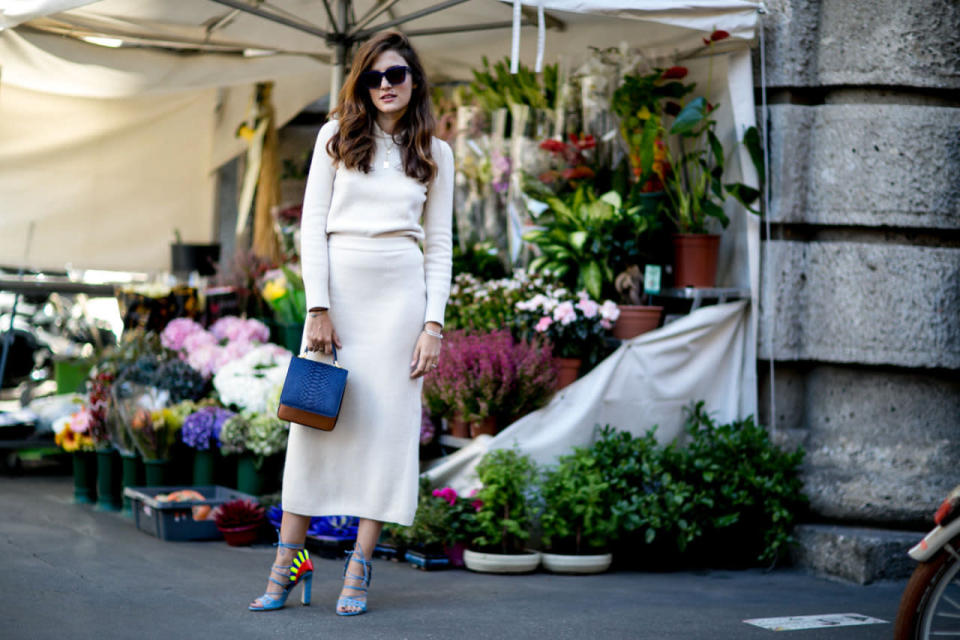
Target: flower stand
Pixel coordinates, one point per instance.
(84, 477)
(204, 463)
(250, 479)
(109, 480)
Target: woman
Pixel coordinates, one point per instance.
(379, 183)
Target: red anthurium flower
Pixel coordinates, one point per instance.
(553, 146)
(705, 41)
(578, 172)
(719, 34)
(672, 108)
(675, 72)
(710, 107)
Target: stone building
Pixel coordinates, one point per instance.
(862, 267)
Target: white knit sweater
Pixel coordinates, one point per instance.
(384, 201)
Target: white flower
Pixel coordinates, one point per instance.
(609, 310)
(248, 381)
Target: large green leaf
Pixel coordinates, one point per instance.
(751, 139)
(690, 116)
(714, 210)
(716, 147)
(577, 239)
(591, 277)
(744, 195)
(613, 199)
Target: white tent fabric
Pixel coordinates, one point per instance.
(647, 382)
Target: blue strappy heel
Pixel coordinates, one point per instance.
(300, 570)
(346, 601)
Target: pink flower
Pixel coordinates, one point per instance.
(197, 340)
(588, 306)
(81, 420)
(178, 331)
(565, 313)
(609, 310)
(544, 324)
(447, 493)
(606, 324)
(477, 504)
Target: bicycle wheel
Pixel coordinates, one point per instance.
(930, 606)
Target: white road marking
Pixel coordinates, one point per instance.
(795, 623)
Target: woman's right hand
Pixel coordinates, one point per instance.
(320, 332)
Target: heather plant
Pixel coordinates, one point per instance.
(489, 374)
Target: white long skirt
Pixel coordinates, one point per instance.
(368, 466)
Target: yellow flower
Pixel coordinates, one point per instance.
(274, 290)
(245, 131)
(643, 114)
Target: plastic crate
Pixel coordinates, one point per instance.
(173, 521)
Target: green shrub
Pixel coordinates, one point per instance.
(577, 513)
(505, 516)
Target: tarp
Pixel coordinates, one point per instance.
(647, 382)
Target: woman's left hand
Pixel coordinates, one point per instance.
(426, 355)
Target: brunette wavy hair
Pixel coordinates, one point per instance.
(353, 144)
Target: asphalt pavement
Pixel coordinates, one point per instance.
(69, 571)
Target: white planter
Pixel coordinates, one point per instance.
(562, 563)
(501, 563)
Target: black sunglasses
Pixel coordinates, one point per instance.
(394, 75)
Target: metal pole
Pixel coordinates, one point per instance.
(340, 54)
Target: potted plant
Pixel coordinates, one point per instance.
(256, 438)
(472, 381)
(71, 433)
(201, 431)
(692, 177)
(283, 290)
(576, 328)
(504, 516)
(578, 522)
(425, 537)
(239, 521)
(635, 317)
(460, 522)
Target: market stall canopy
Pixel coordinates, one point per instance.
(115, 115)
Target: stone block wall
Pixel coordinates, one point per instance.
(860, 293)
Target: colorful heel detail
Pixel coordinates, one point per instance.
(346, 601)
(300, 570)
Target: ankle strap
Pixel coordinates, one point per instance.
(284, 545)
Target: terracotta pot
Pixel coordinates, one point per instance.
(458, 428)
(695, 259)
(487, 426)
(636, 319)
(567, 370)
(240, 536)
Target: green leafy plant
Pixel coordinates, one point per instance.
(651, 499)
(754, 487)
(578, 512)
(586, 240)
(505, 514)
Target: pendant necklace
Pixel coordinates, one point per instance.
(390, 145)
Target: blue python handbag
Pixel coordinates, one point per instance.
(312, 392)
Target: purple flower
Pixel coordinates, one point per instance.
(202, 428)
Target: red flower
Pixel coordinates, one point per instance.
(477, 504)
(719, 34)
(547, 177)
(583, 142)
(710, 107)
(578, 172)
(553, 146)
(672, 108)
(705, 42)
(674, 73)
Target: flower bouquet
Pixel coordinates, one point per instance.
(283, 290)
(72, 433)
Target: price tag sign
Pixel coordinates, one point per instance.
(651, 279)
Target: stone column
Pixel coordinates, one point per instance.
(861, 277)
